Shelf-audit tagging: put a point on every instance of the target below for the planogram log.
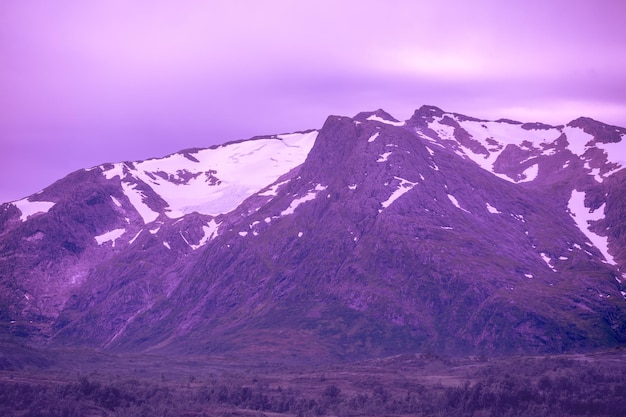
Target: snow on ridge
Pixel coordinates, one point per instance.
(29, 208)
(583, 216)
(272, 191)
(375, 118)
(495, 136)
(404, 187)
(580, 141)
(433, 141)
(215, 180)
(307, 197)
(116, 171)
(443, 130)
(110, 236)
(577, 139)
(267, 158)
(616, 153)
(298, 139)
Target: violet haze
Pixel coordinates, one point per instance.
(83, 83)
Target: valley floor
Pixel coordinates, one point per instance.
(85, 383)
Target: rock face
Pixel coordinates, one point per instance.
(368, 237)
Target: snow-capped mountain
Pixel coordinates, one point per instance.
(365, 237)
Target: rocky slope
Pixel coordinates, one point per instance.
(368, 237)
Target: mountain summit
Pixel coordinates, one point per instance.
(367, 237)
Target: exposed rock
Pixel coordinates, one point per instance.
(370, 237)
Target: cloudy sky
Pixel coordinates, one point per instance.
(87, 82)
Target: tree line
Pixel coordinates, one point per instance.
(583, 392)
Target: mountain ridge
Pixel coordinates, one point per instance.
(367, 237)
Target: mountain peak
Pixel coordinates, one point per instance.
(604, 133)
(428, 111)
(378, 115)
(368, 236)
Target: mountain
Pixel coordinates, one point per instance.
(367, 237)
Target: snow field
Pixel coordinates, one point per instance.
(29, 208)
(583, 217)
(221, 179)
(110, 236)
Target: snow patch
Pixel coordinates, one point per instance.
(577, 139)
(29, 208)
(616, 153)
(456, 202)
(135, 238)
(404, 186)
(373, 137)
(380, 119)
(300, 234)
(307, 197)
(116, 201)
(110, 236)
(444, 131)
(210, 232)
(383, 157)
(595, 172)
(491, 209)
(495, 136)
(583, 217)
(519, 217)
(530, 173)
(548, 261)
(273, 190)
(184, 238)
(116, 171)
(136, 199)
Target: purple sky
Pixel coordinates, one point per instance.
(86, 82)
